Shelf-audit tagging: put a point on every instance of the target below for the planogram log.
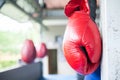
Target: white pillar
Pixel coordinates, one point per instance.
(110, 23)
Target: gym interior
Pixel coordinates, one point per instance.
(34, 35)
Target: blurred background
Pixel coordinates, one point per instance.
(40, 21)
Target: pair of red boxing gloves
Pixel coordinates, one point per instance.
(29, 52)
(82, 41)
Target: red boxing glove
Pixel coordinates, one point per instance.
(76, 5)
(41, 50)
(82, 41)
(28, 51)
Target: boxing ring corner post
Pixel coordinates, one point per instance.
(110, 29)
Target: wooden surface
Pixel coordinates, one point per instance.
(52, 61)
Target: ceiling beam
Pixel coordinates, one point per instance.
(37, 19)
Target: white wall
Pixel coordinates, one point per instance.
(48, 36)
(110, 23)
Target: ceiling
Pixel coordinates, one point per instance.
(45, 12)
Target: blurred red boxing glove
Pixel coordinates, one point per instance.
(41, 50)
(82, 41)
(28, 52)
